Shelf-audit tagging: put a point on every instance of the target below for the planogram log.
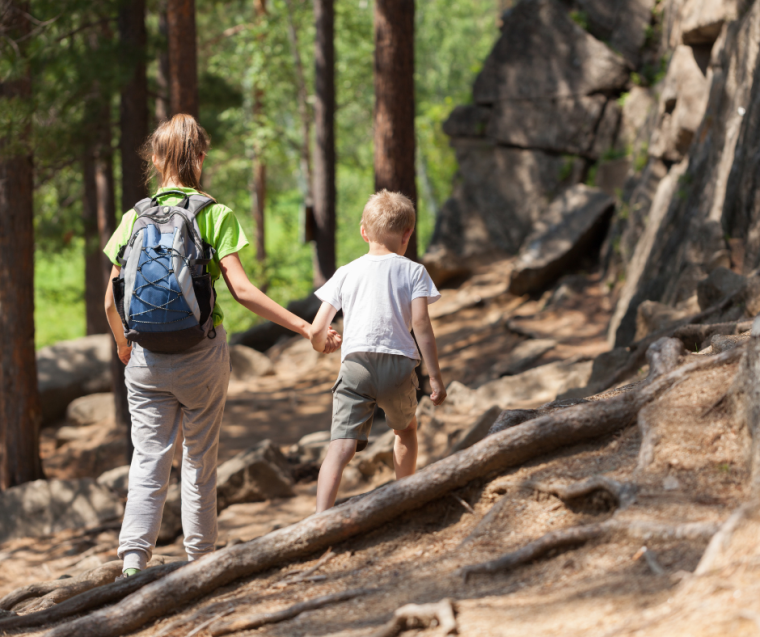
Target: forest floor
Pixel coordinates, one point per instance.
(610, 586)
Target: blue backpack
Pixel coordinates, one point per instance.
(163, 293)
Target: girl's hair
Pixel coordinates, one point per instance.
(178, 144)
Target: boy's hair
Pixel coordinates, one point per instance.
(388, 213)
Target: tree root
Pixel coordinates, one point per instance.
(623, 494)
(255, 621)
(94, 598)
(421, 616)
(499, 452)
(486, 521)
(578, 535)
(298, 576)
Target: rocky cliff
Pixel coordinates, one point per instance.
(648, 101)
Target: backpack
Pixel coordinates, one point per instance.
(163, 294)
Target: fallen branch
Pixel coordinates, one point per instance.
(95, 598)
(579, 535)
(499, 452)
(466, 505)
(255, 621)
(295, 578)
(623, 494)
(421, 616)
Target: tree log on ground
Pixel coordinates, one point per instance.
(255, 621)
(421, 616)
(83, 602)
(578, 535)
(499, 452)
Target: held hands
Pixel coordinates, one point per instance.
(439, 390)
(333, 341)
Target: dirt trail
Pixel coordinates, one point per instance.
(695, 473)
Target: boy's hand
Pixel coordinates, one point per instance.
(333, 341)
(439, 390)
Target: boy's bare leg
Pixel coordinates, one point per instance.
(339, 454)
(405, 450)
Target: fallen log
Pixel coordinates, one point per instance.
(496, 453)
(255, 621)
(95, 598)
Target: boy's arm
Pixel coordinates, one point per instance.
(323, 337)
(423, 330)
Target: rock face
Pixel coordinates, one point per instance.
(91, 409)
(44, 507)
(260, 473)
(579, 219)
(70, 369)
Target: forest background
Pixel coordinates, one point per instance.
(242, 54)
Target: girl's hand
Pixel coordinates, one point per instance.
(125, 352)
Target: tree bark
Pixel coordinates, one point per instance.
(163, 108)
(20, 410)
(134, 131)
(259, 201)
(94, 284)
(324, 157)
(183, 61)
(510, 448)
(394, 102)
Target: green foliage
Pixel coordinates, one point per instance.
(240, 54)
(568, 163)
(591, 176)
(580, 18)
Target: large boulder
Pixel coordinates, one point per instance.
(44, 507)
(117, 480)
(720, 284)
(704, 19)
(87, 451)
(70, 369)
(534, 32)
(246, 363)
(91, 409)
(581, 216)
(257, 474)
(683, 100)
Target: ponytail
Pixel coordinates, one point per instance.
(178, 144)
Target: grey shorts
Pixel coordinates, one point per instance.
(367, 379)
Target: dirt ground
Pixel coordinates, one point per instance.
(696, 472)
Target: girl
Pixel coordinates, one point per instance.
(188, 389)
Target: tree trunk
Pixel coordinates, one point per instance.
(134, 131)
(94, 281)
(162, 71)
(324, 157)
(259, 176)
(303, 112)
(183, 61)
(394, 101)
(20, 410)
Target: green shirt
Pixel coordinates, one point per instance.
(219, 228)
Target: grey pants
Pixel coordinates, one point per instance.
(167, 391)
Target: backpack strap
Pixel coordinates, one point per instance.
(142, 206)
(197, 203)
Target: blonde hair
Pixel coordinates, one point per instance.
(388, 213)
(178, 144)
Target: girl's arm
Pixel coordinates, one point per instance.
(114, 320)
(320, 329)
(250, 297)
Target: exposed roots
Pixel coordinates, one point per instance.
(255, 621)
(623, 494)
(421, 616)
(579, 535)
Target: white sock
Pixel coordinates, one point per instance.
(135, 559)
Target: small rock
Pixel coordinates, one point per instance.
(671, 483)
(721, 283)
(117, 480)
(652, 316)
(44, 507)
(523, 355)
(91, 409)
(377, 453)
(478, 430)
(260, 473)
(313, 447)
(722, 343)
(248, 363)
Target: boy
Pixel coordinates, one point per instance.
(383, 296)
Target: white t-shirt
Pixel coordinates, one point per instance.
(375, 294)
